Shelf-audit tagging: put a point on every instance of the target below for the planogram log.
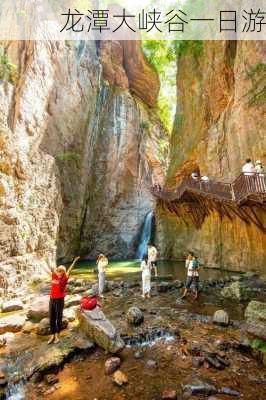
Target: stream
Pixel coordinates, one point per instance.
(152, 359)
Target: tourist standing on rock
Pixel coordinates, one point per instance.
(59, 277)
(145, 267)
(102, 263)
(192, 266)
(152, 257)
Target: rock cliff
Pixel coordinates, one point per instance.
(79, 151)
(219, 122)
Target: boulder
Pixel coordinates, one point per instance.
(237, 291)
(39, 309)
(221, 317)
(111, 365)
(120, 378)
(70, 314)
(12, 305)
(256, 310)
(29, 327)
(163, 287)
(197, 361)
(12, 323)
(43, 328)
(134, 316)
(72, 300)
(255, 315)
(100, 330)
(50, 358)
(198, 388)
(169, 394)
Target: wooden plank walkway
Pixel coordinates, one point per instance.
(242, 198)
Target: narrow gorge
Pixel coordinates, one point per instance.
(100, 142)
(82, 142)
(80, 149)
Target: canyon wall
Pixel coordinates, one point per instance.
(79, 152)
(220, 121)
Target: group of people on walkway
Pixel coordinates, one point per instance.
(249, 168)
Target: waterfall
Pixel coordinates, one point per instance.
(145, 236)
(16, 391)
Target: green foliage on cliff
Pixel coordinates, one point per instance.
(162, 55)
(259, 344)
(193, 47)
(8, 71)
(68, 156)
(257, 75)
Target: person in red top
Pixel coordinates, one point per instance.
(59, 277)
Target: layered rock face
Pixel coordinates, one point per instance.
(78, 154)
(219, 122)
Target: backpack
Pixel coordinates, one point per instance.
(195, 264)
(88, 303)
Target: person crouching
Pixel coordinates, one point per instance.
(59, 277)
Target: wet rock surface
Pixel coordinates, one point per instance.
(12, 323)
(100, 330)
(173, 337)
(111, 365)
(39, 309)
(221, 317)
(237, 291)
(134, 316)
(12, 305)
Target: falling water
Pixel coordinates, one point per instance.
(16, 391)
(145, 236)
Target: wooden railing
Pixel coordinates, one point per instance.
(239, 190)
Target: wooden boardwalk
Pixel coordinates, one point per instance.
(195, 199)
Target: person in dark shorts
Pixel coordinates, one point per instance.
(192, 264)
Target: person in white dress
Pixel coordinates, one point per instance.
(102, 263)
(152, 257)
(145, 267)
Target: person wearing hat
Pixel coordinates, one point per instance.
(59, 278)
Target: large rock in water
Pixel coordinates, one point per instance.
(12, 323)
(237, 291)
(100, 330)
(135, 316)
(39, 309)
(255, 315)
(12, 305)
(43, 328)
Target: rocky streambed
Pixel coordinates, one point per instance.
(173, 349)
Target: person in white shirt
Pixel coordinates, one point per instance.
(248, 168)
(195, 176)
(145, 267)
(102, 263)
(152, 257)
(259, 167)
